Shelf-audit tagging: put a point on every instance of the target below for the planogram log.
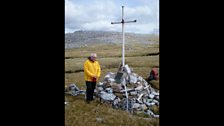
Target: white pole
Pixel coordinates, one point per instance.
(123, 49)
(126, 93)
(123, 45)
(123, 53)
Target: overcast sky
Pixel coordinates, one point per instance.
(97, 15)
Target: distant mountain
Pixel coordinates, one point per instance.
(85, 38)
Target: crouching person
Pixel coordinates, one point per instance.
(153, 74)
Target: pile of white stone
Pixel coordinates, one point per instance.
(128, 91)
(73, 90)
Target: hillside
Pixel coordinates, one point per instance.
(86, 38)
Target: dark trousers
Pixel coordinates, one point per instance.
(90, 90)
(151, 77)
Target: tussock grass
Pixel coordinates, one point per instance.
(76, 64)
(155, 84)
(155, 109)
(114, 50)
(78, 113)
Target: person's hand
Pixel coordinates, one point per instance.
(94, 78)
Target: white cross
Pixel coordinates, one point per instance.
(122, 22)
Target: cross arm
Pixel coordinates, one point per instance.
(116, 22)
(130, 21)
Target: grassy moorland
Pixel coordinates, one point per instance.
(139, 57)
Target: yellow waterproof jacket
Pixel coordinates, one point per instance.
(91, 69)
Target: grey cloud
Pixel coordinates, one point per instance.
(99, 15)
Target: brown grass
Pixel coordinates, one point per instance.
(78, 113)
(155, 84)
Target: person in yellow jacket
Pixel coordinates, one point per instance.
(92, 72)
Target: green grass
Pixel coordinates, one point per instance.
(78, 113)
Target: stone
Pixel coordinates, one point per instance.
(133, 93)
(106, 96)
(151, 96)
(127, 69)
(144, 107)
(136, 105)
(132, 79)
(116, 87)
